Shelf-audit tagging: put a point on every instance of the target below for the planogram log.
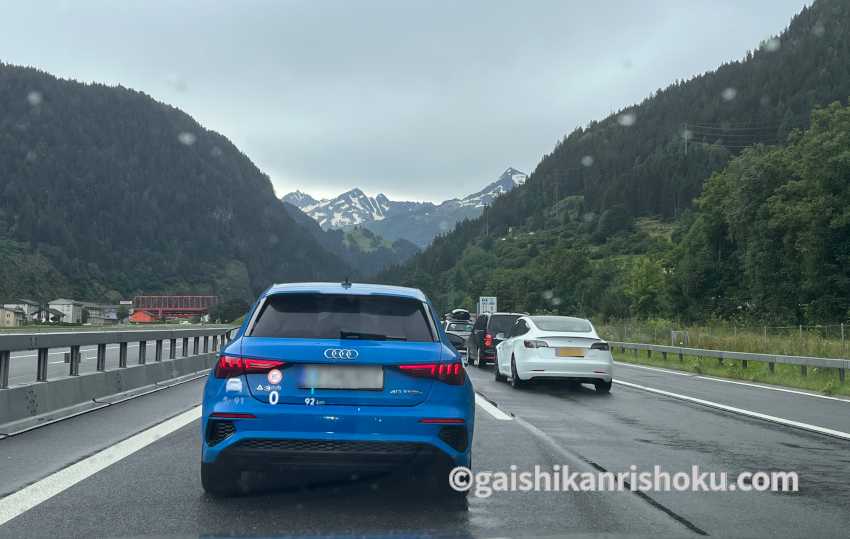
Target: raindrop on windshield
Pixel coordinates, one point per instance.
(186, 138)
(818, 29)
(587, 160)
(626, 119)
(548, 294)
(34, 98)
(729, 94)
(772, 44)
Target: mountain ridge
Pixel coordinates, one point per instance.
(392, 219)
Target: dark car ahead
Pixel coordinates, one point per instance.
(489, 330)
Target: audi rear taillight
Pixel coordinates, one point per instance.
(600, 346)
(230, 366)
(535, 344)
(488, 340)
(450, 373)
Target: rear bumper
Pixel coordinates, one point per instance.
(360, 438)
(599, 366)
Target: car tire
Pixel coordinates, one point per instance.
(498, 376)
(437, 485)
(516, 383)
(603, 387)
(218, 481)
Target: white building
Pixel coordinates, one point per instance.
(27, 306)
(72, 310)
(11, 318)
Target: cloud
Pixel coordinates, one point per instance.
(415, 99)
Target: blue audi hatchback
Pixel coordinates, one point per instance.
(337, 376)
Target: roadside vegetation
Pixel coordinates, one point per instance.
(816, 379)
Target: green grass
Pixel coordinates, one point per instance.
(821, 380)
(815, 341)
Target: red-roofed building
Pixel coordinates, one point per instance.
(142, 317)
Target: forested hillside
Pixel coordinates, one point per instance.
(606, 224)
(105, 192)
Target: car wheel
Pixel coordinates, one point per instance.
(499, 376)
(218, 481)
(603, 387)
(437, 484)
(516, 383)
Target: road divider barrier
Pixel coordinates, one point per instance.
(42, 396)
(744, 357)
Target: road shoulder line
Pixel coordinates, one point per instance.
(32, 495)
(740, 411)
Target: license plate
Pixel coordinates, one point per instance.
(570, 352)
(368, 377)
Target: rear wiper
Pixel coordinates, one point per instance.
(368, 336)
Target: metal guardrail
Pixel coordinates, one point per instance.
(42, 342)
(771, 359)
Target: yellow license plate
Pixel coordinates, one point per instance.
(570, 352)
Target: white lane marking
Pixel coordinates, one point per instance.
(25, 499)
(490, 409)
(667, 371)
(738, 382)
(741, 411)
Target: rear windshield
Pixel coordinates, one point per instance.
(459, 327)
(340, 316)
(562, 323)
(501, 323)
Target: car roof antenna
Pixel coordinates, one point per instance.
(347, 283)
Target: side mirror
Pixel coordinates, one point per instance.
(500, 336)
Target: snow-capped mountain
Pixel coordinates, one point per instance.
(507, 181)
(418, 222)
(299, 199)
(353, 207)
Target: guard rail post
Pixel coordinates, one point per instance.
(101, 357)
(74, 369)
(143, 352)
(41, 368)
(5, 358)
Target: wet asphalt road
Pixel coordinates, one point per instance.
(156, 491)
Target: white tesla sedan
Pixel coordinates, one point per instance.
(557, 347)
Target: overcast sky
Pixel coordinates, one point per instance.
(419, 100)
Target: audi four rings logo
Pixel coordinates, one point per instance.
(341, 353)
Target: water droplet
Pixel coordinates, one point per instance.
(687, 134)
(178, 84)
(556, 301)
(548, 294)
(187, 138)
(626, 119)
(31, 156)
(34, 98)
(764, 101)
(587, 160)
(772, 44)
(818, 29)
(216, 151)
(729, 94)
